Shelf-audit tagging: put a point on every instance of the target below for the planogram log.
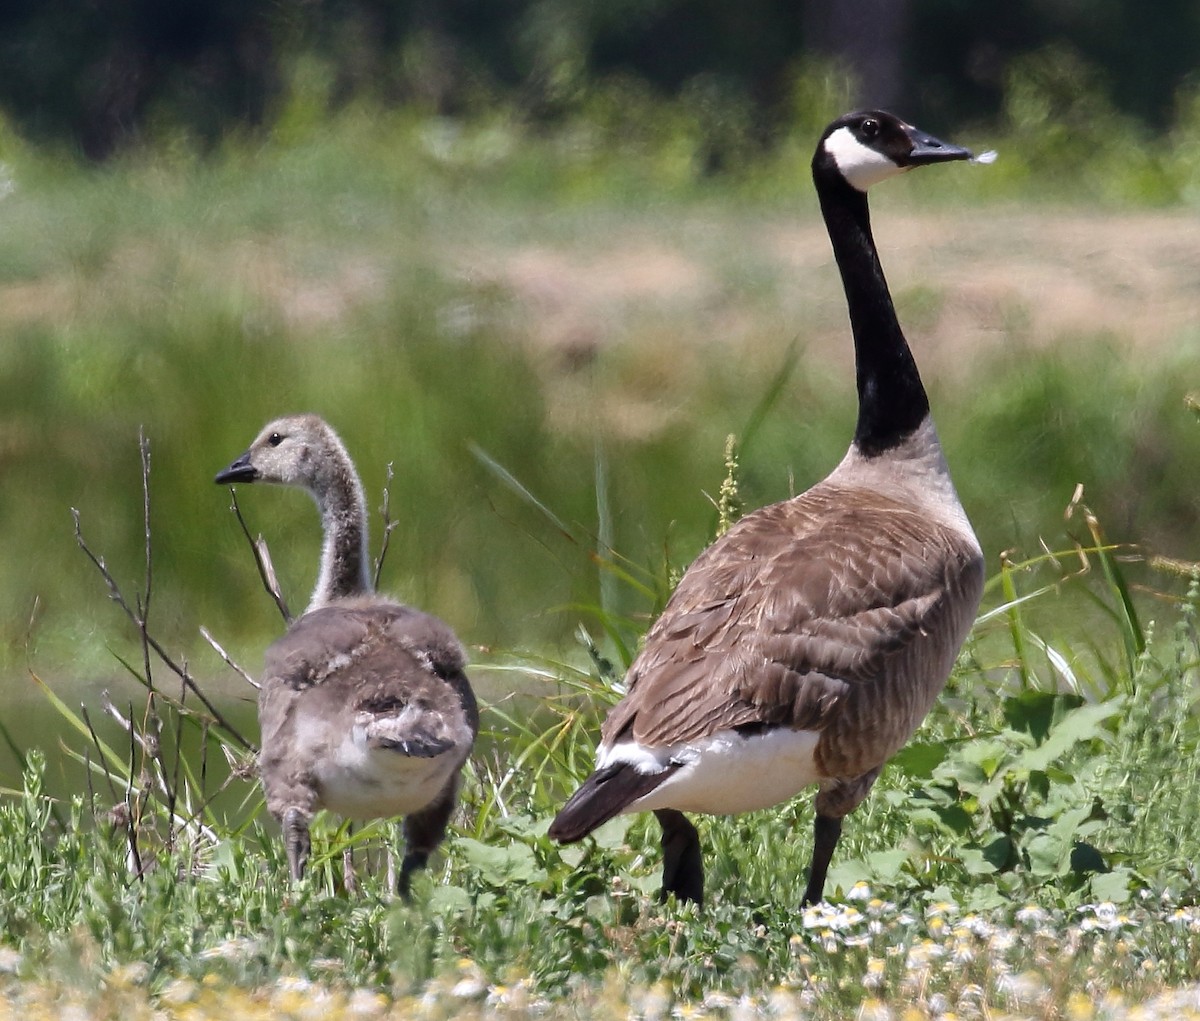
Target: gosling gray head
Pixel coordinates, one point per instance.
(294, 450)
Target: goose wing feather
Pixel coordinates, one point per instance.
(323, 643)
(762, 631)
(397, 672)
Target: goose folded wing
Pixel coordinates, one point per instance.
(764, 631)
(328, 642)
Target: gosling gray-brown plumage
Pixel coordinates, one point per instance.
(807, 643)
(364, 705)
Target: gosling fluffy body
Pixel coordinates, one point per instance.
(365, 706)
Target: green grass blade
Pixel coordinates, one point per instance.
(518, 487)
(117, 762)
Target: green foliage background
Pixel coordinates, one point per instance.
(355, 265)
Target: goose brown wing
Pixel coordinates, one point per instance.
(780, 620)
(399, 671)
(324, 643)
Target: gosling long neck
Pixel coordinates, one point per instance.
(891, 399)
(344, 557)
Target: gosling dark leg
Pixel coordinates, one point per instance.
(423, 831)
(683, 865)
(297, 842)
(826, 830)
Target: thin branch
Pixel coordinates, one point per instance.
(142, 602)
(178, 761)
(262, 559)
(204, 763)
(389, 526)
(114, 593)
(144, 616)
(152, 742)
(99, 748)
(107, 705)
(234, 776)
(132, 816)
(87, 772)
(225, 656)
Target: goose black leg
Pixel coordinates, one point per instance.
(683, 866)
(826, 830)
(423, 831)
(297, 842)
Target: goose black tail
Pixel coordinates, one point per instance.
(604, 794)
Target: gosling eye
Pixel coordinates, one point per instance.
(274, 439)
(869, 128)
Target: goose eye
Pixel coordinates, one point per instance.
(274, 439)
(869, 128)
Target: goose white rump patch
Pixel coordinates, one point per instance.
(859, 164)
(724, 773)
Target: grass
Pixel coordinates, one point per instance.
(552, 360)
(1013, 858)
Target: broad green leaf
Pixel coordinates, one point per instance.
(885, 866)
(514, 862)
(920, 759)
(572, 855)
(976, 862)
(611, 835)
(1082, 724)
(448, 901)
(1048, 855)
(987, 753)
(1112, 886)
(1000, 852)
(1034, 711)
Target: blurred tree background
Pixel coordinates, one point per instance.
(101, 74)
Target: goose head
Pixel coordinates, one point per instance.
(296, 450)
(870, 146)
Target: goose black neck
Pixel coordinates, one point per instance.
(891, 399)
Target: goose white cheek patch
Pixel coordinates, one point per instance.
(859, 164)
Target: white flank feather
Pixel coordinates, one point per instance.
(724, 773)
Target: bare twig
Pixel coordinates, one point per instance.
(175, 788)
(262, 559)
(204, 759)
(143, 615)
(132, 815)
(99, 748)
(151, 720)
(238, 772)
(87, 773)
(107, 705)
(225, 656)
(114, 593)
(389, 526)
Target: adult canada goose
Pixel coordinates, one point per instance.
(364, 706)
(807, 643)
